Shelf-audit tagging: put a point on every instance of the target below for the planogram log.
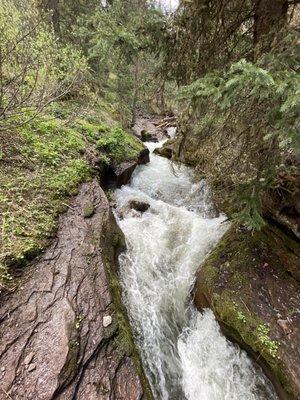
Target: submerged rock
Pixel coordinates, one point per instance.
(251, 282)
(53, 338)
(139, 205)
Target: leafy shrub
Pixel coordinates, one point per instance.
(35, 67)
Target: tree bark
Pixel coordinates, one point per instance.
(270, 16)
(52, 6)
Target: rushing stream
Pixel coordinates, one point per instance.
(185, 355)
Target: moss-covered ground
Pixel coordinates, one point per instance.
(249, 282)
(42, 164)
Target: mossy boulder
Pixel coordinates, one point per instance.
(250, 283)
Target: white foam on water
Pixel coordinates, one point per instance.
(185, 355)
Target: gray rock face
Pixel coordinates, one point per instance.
(119, 174)
(53, 342)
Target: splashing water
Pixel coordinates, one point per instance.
(184, 353)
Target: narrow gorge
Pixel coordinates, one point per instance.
(149, 200)
(184, 352)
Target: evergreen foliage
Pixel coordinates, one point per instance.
(246, 115)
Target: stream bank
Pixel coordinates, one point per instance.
(248, 282)
(64, 333)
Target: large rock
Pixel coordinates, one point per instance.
(145, 128)
(166, 150)
(64, 333)
(119, 174)
(251, 282)
(148, 137)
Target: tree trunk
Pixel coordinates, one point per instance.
(270, 16)
(52, 6)
(135, 92)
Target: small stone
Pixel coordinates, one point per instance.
(107, 320)
(2, 369)
(285, 326)
(31, 367)
(28, 358)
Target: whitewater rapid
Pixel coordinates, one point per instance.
(185, 355)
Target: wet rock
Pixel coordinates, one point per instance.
(139, 206)
(148, 137)
(144, 157)
(119, 174)
(56, 322)
(123, 172)
(167, 149)
(249, 283)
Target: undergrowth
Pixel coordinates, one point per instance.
(41, 165)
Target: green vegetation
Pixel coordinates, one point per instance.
(237, 282)
(118, 145)
(230, 112)
(237, 67)
(250, 327)
(271, 346)
(72, 78)
(42, 164)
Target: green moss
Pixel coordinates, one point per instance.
(42, 164)
(89, 211)
(271, 346)
(249, 326)
(230, 279)
(119, 145)
(78, 321)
